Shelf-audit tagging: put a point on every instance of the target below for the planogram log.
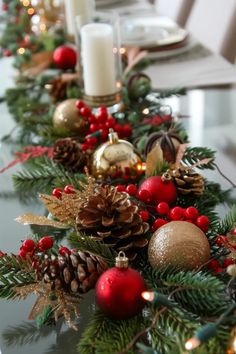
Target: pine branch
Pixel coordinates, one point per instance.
(168, 93)
(23, 334)
(86, 244)
(228, 222)
(193, 155)
(14, 272)
(104, 335)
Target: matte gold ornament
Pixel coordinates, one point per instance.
(179, 244)
(114, 158)
(66, 117)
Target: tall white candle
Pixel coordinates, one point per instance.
(98, 59)
(73, 8)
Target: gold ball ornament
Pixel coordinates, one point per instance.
(179, 244)
(231, 270)
(114, 158)
(66, 117)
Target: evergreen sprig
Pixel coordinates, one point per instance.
(14, 272)
(228, 222)
(194, 155)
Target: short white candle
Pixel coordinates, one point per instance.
(98, 59)
(73, 8)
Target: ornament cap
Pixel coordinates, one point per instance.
(166, 177)
(113, 136)
(122, 261)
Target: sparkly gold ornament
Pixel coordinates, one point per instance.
(66, 117)
(114, 158)
(232, 343)
(179, 244)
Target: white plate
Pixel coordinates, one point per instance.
(100, 3)
(150, 31)
(173, 52)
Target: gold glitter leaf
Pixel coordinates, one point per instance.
(154, 160)
(30, 219)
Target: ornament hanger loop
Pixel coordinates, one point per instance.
(121, 260)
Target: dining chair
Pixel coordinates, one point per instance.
(178, 10)
(213, 23)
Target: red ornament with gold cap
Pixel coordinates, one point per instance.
(118, 290)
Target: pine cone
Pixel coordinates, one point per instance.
(188, 181)
(109, 216)
(67, 152)
(57, 89)
(74, 273)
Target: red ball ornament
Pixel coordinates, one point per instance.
(160, 190)
(45, 243)
(118, 290)
(57, 192)
(65, 57)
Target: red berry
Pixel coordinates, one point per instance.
(220, 240)
(189, 220)
(126, 130)
(45, 243)
(120, 188)
(57, 192)
(227, 262)
(158, 223)
(35, 264)
(84, 147)
(28, 245)
(69, 189)
(102, 109)
(91, 140)
(202, 221)
(163, 208)
(92, 119)
(144, 215)
(102, 116)
(118, 128)
(144, 196)
(64, 250)
(213, 264)
(131, 189)
(234, 231)
(218, 270)
(110, 122)
(93, 127)
(85, 111)
(79, 104)
(22, 253)
(104, 134)
(2, 254)
(191, 213)
(176, 213)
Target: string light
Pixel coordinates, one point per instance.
(30, 11)
(21, 51)
(42, 27)
(157, 298)
(26, 3)
(122, 50)
(141, 167)
(145, 111)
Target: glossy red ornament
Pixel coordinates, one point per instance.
(160, 191)
(65, 57)
(69, 189)
(118, 292)
(57, 192)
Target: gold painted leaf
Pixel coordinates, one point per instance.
(30, 219)
(154, 160)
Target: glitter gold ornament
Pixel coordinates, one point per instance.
(66, 117)
(179, 244)
(114, 158)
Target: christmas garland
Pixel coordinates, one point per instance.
(120, 187)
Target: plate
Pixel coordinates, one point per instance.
(173, 52)
(151, 31)
(101, 3)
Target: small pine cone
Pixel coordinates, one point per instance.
(110, 216)
(188, 181)
(74, 273)
(68, 153)
(57, 89)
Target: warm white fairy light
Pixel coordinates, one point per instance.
(21, 51)
(148, 295)
(192, 343)
(145, 111)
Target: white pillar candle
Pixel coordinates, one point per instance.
(98, 59)
(73, 8)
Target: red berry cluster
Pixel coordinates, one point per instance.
(68, 189)
(29, 247)
(100, 125)
(218, 266)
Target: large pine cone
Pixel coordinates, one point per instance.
(110, 216)
(188, 181)
(74, 273)
(68, 153)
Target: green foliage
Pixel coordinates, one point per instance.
(194, 155)
(104, 335)
(228, 222)
(13, 272)
(86, 244)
